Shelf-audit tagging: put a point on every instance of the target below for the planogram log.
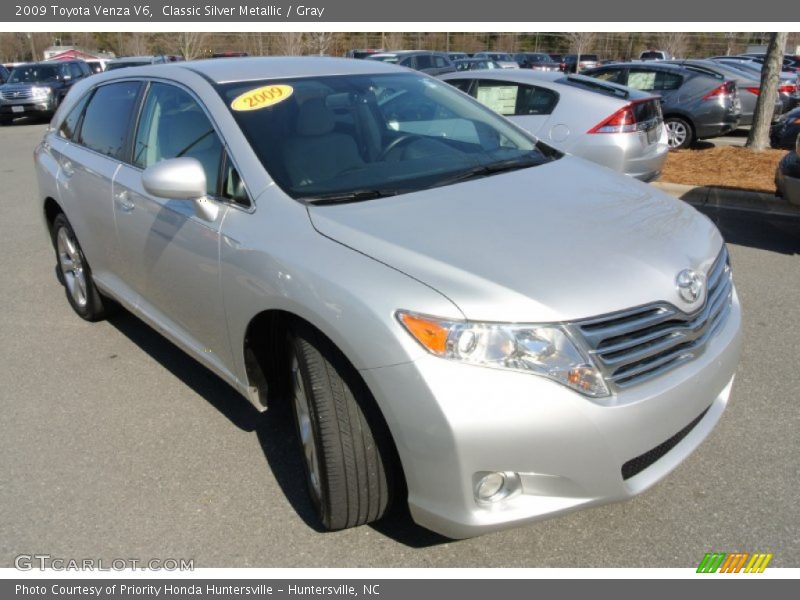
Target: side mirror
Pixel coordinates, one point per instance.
(180, 179)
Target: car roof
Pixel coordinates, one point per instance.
(229, 70)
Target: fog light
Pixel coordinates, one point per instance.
(493, 487)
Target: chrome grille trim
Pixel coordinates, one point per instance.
(22, 94)
(633, 346)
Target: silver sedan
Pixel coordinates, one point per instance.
(463, 318)
(614, 126)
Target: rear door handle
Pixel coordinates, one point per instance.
(124, 202)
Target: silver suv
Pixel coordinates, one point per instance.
(463, 318)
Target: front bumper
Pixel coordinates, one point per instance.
(28, 106)
(451, 421)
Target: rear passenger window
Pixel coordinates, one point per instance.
(424, 61)
(462, 84)
(75, 71)
(513, 99)
(107, 118)
(173, 125)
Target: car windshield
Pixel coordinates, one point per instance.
(35, 73)
(357, 137)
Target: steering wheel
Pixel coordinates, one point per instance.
(403, 140)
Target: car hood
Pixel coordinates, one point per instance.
(561, 241)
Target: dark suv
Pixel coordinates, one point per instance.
(38, 88)
(695, 105)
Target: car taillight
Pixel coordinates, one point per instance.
(788, 88)
(723, 90)
(622, 121)
(753, 90)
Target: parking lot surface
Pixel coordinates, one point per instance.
(115, 444)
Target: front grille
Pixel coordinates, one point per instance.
(636, 465)
(632, 346)
(22, 94)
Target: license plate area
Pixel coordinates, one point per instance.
(18, 109)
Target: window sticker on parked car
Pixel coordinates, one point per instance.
(262, 97)
(642, 81)
(500, 98)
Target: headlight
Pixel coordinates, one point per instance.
(544, 350)
(41, 92)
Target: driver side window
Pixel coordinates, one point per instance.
(173, 125)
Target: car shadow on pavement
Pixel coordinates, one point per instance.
(774, 233)
(274, 429)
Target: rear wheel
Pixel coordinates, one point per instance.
(345, 444)
(679, 132)
(74, 273)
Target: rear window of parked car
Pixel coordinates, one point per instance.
(107, 116)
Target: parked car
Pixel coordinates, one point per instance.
(537, 61)
(229, 54)
(362, 52)
(474, 64)
(588, 61)
(135, 61)
(617, 127)
(655, 55)
(787, 63)
(748, 87)
(789, 86)
(36, 89)
(454, 56)
(4, 73)
(785, 130)
(459, 316)
(695, 105)
(432, 63)
(97, 65)
(499, 57)
(787, 176)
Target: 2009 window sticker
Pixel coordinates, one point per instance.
(262, 97)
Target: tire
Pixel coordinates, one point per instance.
(348, 454)
(74, 274)
(5, 121)
(679, 132)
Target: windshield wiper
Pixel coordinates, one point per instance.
(491, 169)
(354, 196)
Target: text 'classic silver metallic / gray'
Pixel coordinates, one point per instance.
(461, 317)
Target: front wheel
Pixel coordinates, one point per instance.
(679, 132)
(74, 273)
(344, 442)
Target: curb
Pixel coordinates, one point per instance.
(731, 199)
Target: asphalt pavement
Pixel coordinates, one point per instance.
(115, 444)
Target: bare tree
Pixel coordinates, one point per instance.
(580, 42)
(190, 43)
(137, 44)
(758, 138)
(393, 40)
(320, 42)
(290, 43)
(673, 42)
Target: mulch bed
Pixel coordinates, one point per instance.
(726, 166)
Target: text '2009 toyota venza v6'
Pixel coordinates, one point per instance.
(462, 318)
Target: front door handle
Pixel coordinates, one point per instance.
(124, 202)
(67, 169)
